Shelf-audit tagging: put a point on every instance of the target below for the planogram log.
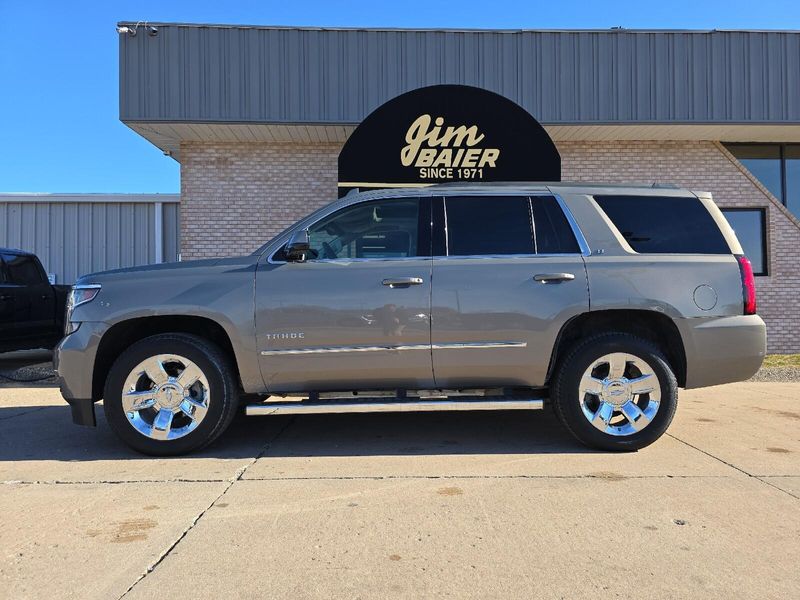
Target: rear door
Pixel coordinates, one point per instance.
(507, 275)
(356, 314)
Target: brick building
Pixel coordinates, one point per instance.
(257, 116)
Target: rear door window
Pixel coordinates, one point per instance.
(488, 225)
(664, 225)
(22, 270)
(506, 225)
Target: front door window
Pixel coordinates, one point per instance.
(383, 229)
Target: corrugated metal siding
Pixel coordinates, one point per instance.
(191, 73)
(75, 238)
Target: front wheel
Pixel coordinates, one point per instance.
(170, 394)
(615, 391)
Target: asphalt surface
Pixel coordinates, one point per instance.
(481, 505)
(34, 367)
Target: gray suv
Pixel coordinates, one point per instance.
(599, 300)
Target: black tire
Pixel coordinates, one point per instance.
(217, 369)
(567, 400)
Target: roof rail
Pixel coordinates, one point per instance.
(653, 184)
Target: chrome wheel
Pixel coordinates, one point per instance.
(620, 394)
(165, 397)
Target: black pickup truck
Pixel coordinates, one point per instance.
(31, 309)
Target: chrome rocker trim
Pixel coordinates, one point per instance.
(341, 349)
(371, 405)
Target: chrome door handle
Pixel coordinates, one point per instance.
(553, 277)
(401, 282)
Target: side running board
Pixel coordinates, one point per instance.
(382, 404)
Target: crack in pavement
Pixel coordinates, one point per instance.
(769, 483)
(27, 412)
(732, 466)
(237, 477)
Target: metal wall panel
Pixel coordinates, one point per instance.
(172, 231)
(277, 75)
(73, 238)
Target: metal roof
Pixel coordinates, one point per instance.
(243, 83)
(464, 29)
(236, 74)
(61, 198)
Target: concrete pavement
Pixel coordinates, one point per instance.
(456, 505)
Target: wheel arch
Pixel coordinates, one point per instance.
(648, 324)
(123, 334)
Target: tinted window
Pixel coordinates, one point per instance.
(652, 224)
(553, 233)
(792, 168)
(777, 166)
(380, 229)
(2, 271)
(481, 225)
(764, 162)
(750, 228)
(22, 270)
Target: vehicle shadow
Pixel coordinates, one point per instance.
(47, 433)
(24, 358)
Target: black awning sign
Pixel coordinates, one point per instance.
(447, 133)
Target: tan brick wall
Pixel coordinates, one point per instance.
(237, 196)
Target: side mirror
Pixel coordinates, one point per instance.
(298, 246)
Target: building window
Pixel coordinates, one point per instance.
(751, 229)
(777, 166)
(791, 162)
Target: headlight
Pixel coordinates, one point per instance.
(79, 294)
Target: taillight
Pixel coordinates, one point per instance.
(748, 285)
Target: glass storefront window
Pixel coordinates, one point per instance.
(792, 167)
(777, 166)
(750, 227)
(764, 162)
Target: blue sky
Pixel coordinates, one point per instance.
(59, 125)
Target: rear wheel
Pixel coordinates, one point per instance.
(170, 394)
(615, 392)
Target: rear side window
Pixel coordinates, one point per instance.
(664, 225)
(553, 233)
(488, 225)
(22, 270)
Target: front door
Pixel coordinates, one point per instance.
(30, 295)
(8, 316)
(509, 274)
(356, 313)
